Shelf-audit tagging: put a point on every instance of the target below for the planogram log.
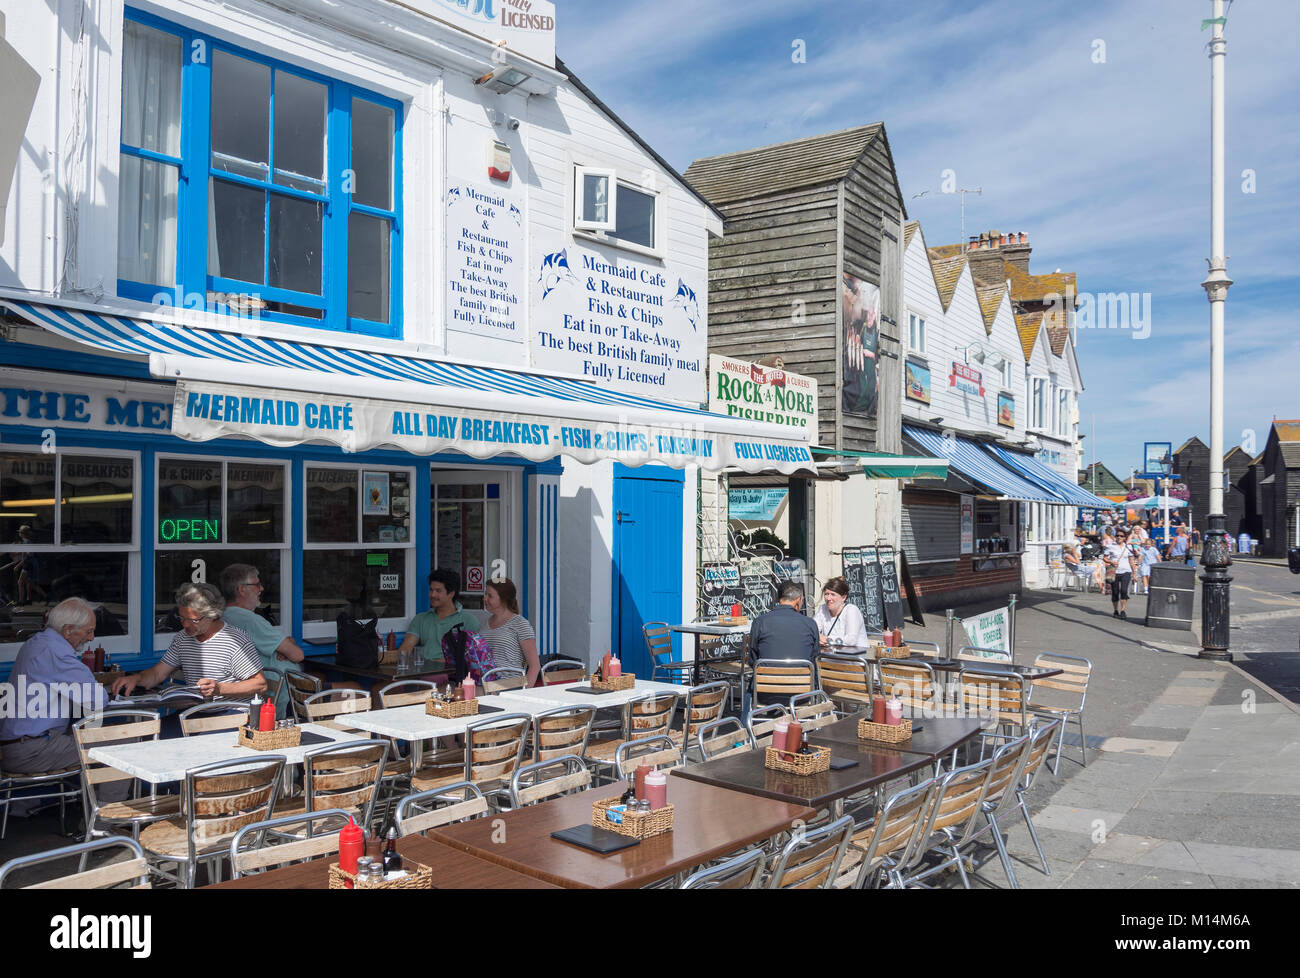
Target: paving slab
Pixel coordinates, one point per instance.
(1278, 865)
(1067, 818)
(1169, 715)
(1130, 745)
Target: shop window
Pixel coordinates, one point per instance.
(68, 525)
(358, 553)
(283, 185)
(613, 209)
(213, 512)
(466, 527)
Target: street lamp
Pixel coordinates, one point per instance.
(1214, 558)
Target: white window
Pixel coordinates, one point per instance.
(1062, 412)
(614, 210)
(915, 333)
(214, 512)
(595, 204)
(470, 528)
(1038, 404)
(358, 551)
(71, 525)
(1006, 374)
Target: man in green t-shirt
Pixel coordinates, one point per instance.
(427, 628)
(242, 587)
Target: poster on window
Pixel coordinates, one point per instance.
(1007, 410)
(374, 494)
(918, 381)
(619, 320)
(485, 261)
(860, 310)
(967, 524)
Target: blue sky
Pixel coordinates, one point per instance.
(1104, 164)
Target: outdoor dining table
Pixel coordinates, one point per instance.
(745, 772)
(714, 630)
(163, 761)
(708, 822)
(938, 736)
(571, 694)
(945, 664)
(452, 869)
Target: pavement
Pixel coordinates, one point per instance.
(1193, 774)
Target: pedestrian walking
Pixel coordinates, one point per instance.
(1117, 556)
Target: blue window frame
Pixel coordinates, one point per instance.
(245, 176)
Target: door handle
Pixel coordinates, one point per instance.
(620, 517)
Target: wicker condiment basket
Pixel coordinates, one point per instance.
(452, 710)
(636, 825)
(887, 733)
(276, 739)
(814, 763)
(418, 877)
(626, 681)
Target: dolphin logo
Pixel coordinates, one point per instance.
(685, 300)
(453, 195)
(555, 269)
(517, 214)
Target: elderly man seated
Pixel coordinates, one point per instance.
(216, 657)
(49, 672)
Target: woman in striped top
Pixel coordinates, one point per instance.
(508, 633)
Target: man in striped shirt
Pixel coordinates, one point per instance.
(217, 658)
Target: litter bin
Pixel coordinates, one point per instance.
(1173, 589)
(1243, 543)
(1293, 559)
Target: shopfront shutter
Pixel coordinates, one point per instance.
(931, 532)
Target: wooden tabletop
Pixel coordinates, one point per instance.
(745, 772)
(937, 736)
(707, 822)
(452, 869)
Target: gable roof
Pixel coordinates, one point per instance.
(990, 298)
(910, 229)
(1107, 484)
(1287, 430)
(947, 273)
(805, 162)
(1183, 447)
(1056, 336)
(1028, 325)
(947, 251)
(577, 83)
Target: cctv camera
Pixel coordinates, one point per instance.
(512, 123)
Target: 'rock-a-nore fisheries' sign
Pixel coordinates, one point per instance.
(742, 389)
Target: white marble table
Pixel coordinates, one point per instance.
(162, 761)
(562, 694)
(414, 725)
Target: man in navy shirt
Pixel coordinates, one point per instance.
(783, 633)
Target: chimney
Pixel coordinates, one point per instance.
(1017, 251)
(974, 242)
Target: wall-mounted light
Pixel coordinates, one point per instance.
(502, 79)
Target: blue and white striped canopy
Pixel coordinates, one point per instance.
(966, 456)
(1049, 479)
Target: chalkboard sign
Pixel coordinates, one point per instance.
(871, 607)
(758, 585)
(890, 597)
(721, 589)
(853, 576)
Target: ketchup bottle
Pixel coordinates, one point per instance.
(467, 688)
(878, 710)
(615, 667)
(793, 737)
(352, 846)
(898, 637)
(779, 731)
(604, 668)
(642, 771)
(266, 718)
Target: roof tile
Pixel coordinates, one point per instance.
(1028, 324)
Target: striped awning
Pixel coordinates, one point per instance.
(966, 457)
(1034, 470)
(284, 392)
(879, 465)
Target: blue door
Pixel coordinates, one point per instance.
(647, 556)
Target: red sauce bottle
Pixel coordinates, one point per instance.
(352, 846)
(266, 719)
(793, 737)
(878, 710)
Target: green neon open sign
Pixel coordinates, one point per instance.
(189, 531)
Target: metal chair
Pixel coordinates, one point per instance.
(659, 644)
(704, 704)
(1006, 772)
(761, 722)
(562, 671)
(494, 748)
(104, 818)
(846, 679)
(721, 738)
(564, 730)
(782, 677)
(974, 653)
(814, 710)
(953, 818)
(925, 648)
(133, 870)
(503, 677)
(1040, 738)
(405, 692)
(743, 872)
(328, 707)
(301, 685)
(207, 717)
(429, 809)
(345, 776)
(548, 779)
(274, 683)
(998, 699)
(286, 839)
(889, 841)
(912, 683)
(811, 860)
(659, 752)
(647, 716)
(1073, 683)
(64, 782)
(218, 800)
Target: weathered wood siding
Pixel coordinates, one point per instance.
(772, 287)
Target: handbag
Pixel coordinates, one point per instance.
(358, 642)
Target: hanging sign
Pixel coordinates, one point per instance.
(966, 379)
(742, 389)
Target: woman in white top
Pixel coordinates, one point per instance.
(839, 622)
(508, 633)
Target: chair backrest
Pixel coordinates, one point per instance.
(658, 641)
(280, 841)
(207, 717)
(548, 779)
(925, 648)
(1072, 683)
(813, 710)
(844, 674)
(274, 681)
(132, 870)
(426, 810)
(562, 731)
(783, 677)
(704, 704)
(405, 692)
(345, 776)
(102, 729)
(1007, 769)
(957, 800)
(649, 716)
(563, 671)
(896, 831)
(221, 798)
(810, 860)
(503, 677)
(743, 872)
(301, 685)
(1040, 741)
(328, 707)
(659, 752)
(912, 682)
(762, 720)
(723, 737)
(975, 653)
(995, 697)
(494, 747)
